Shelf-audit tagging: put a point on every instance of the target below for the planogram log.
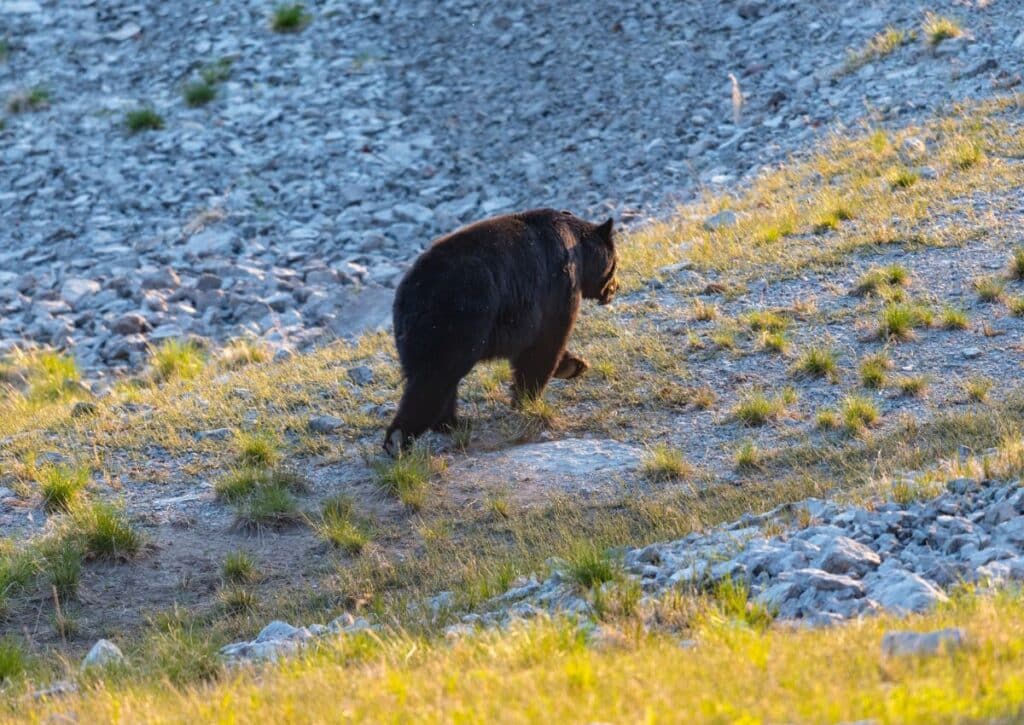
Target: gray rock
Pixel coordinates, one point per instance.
(76, 290)
(901, 644)
(971, 352)
(83, 409)
(215, 434)
(726, 218)
(903, 591)
(130, 323)
(846, 556)
(360, 375)
(325, 424)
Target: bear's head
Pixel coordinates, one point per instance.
(600, 263)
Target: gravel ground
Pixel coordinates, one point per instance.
(330, 156)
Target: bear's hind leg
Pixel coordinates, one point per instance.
(424, 403)
(448, 419)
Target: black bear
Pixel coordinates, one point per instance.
(507, 287)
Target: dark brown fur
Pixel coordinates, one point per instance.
(508, 287)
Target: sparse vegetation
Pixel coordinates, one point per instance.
(827, 419)
(898, 320)
(938, 28)
(966, 152)
(105, 531)
(177, 359)
(144, 119)
(199, 93)
(1017, 264)
(903, 178)
(977, 388)
(14, 662)
(873, 369)
(340, 525)
(268, 506)
(665, 463)
(880, 45)
(954, 318)
(290, 18)
(859, 412)
(703, 311)
(590, 567)
(748, 456)
(61, 485)
(818, 361)
(756, 408)
(243, 351)
(33, 99)
(407, 475)
(989, 289)
(880, 280)
(258, 449)
(912, 385)
(51, 376)
(239, 568)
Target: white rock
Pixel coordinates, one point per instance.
(103, 653)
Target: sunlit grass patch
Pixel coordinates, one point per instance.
(898, 320)
(177, 359)
(258, 449)
(61, 485)
(267, 506)
(966, 152)
(953, 318)
(879, 279)
(755, 408)
(341, 526)
(938, 28)
(912, 386)
(51, 376)
(766, 320)
(774, 342)
(664, 463)
(858, 412)
(827, 419)
(902, 178)
(105, 531)
(407, 476)
(880, 45)
(832, 211)
(977, 388)
(703, 311)
(818, 361)
(589, 567)
(989, 289)
(748, 456)
(240, 483)
(243, 351)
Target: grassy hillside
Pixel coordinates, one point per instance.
(820, 342)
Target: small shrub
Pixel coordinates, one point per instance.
(1017, 264)
(859, 412)
(60, 486)
(873, 369)
(989, 289)
(938, 28)
(257, 450)
(818, 362)
(34, 99)
(239, 568)
(144, 119)
(106, 532)
(238, 483)
(748, 456)
(177, 359)
(977, 388)
(664, 463)
(589, 567)
(199, 93)
(912, 385)
(290, 18)
(954, 319)
(407, 476)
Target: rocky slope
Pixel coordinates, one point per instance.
(331, 155)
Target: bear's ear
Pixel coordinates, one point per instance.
(604, 232)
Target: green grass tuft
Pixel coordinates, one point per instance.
(977, 388)
(903, 178)
(1017, 264)
(60, 486)
(258, 450)
(34, 99)
(858, 412)
(52, 376)
(239, 568)
(954, 319)
(341, 527)
(268, 506)
(880, 45)
(407, 476)
(873, 370)
(748, 456)
(664, 463)
(989, 289)
(938, 28)
(290, 18)
(14, 661)
(105, 531)
(897, 320)
(818, 361)
(199, 93)
(755, 408)
(912, 385)
(143, 119)
(589, 567)
(177, 359)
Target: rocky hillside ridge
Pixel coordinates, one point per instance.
(287, 206)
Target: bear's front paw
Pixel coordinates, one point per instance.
(571, 366)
